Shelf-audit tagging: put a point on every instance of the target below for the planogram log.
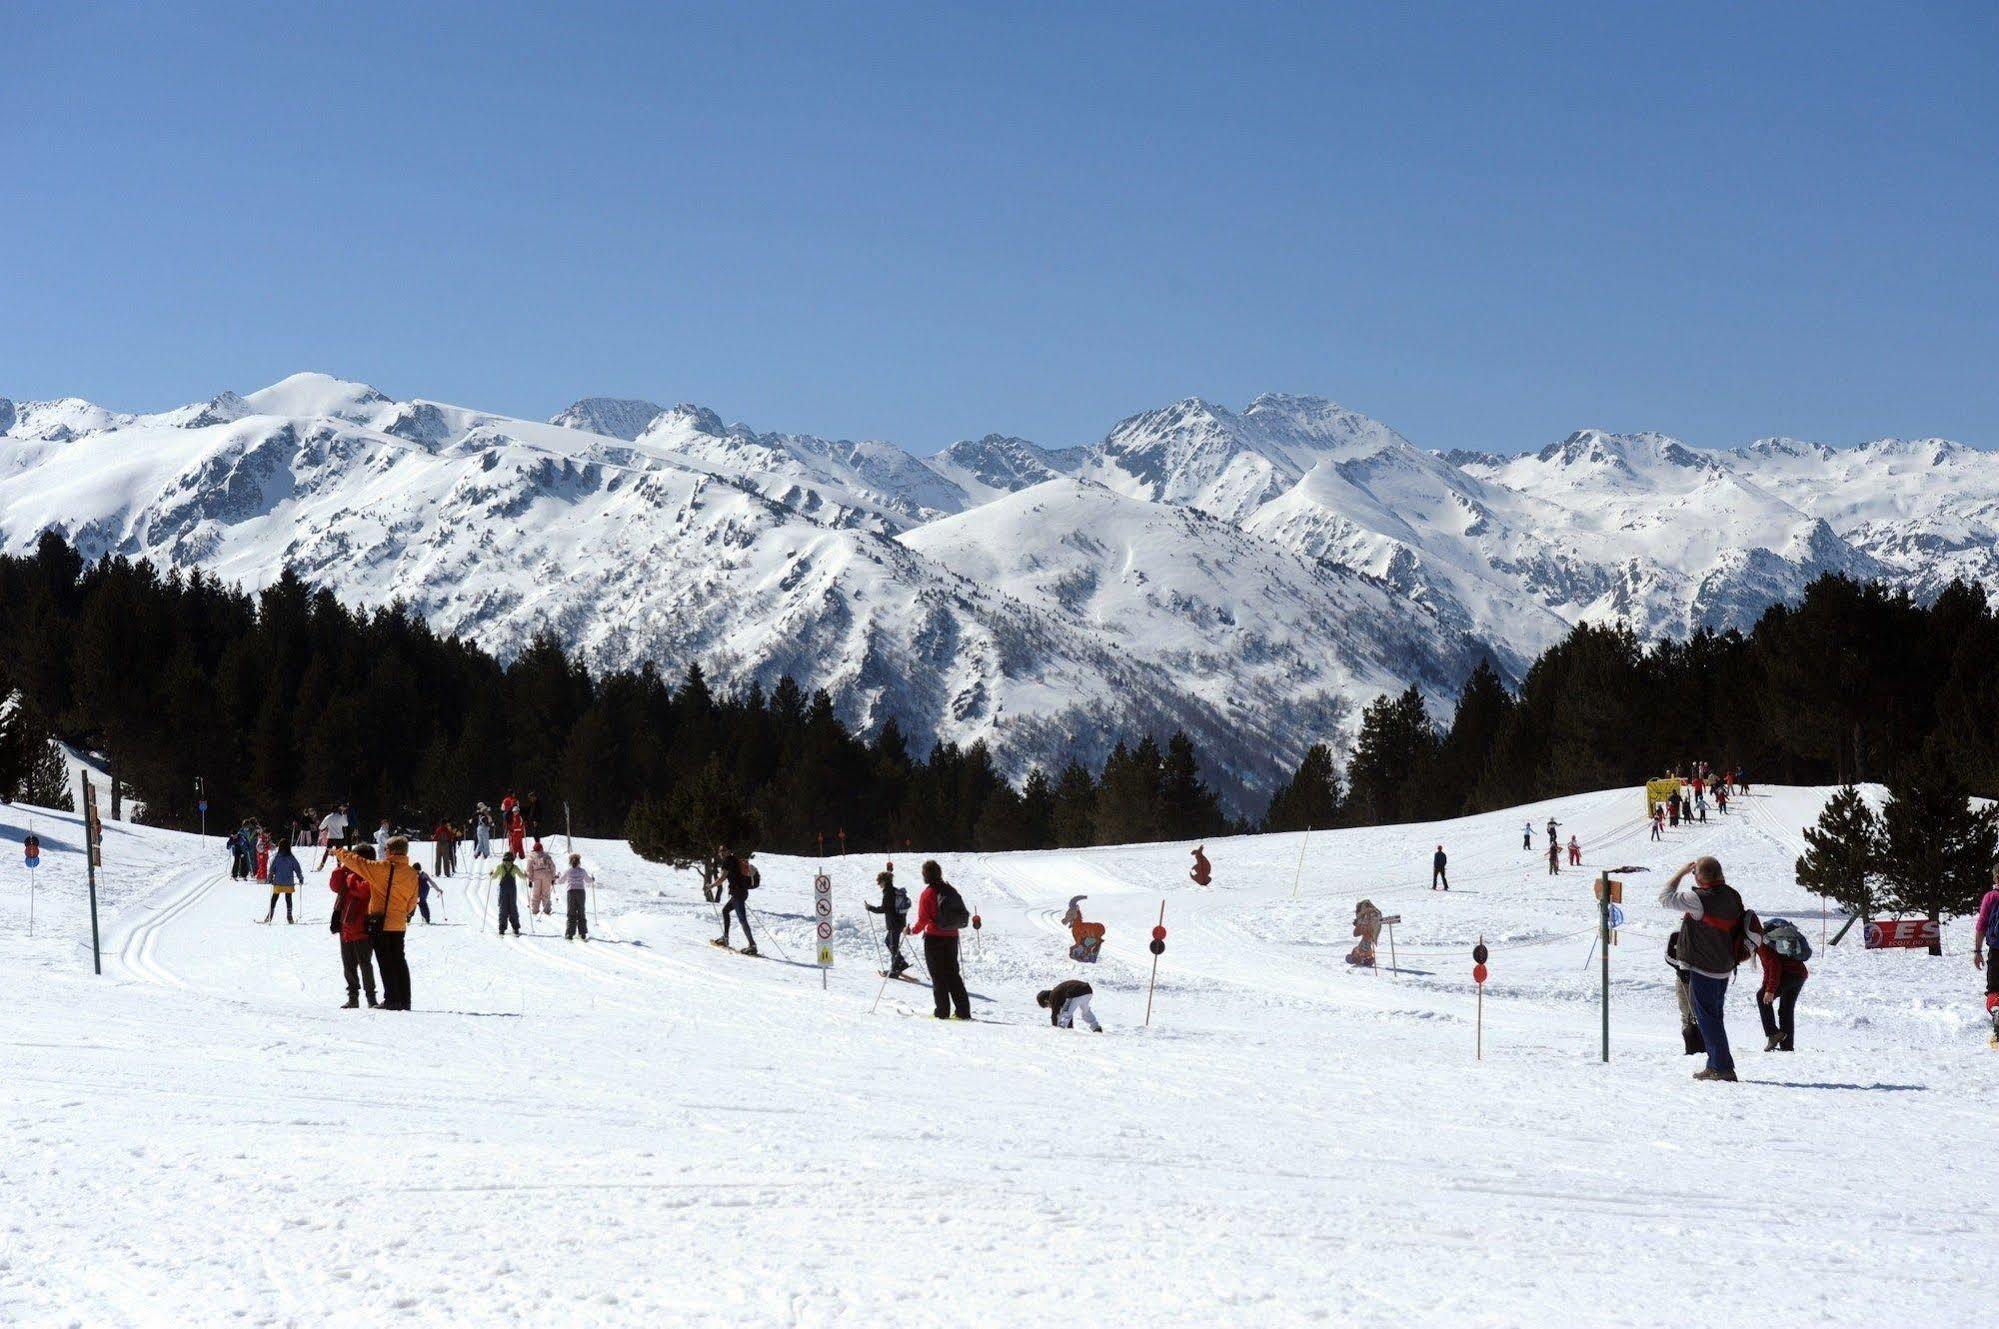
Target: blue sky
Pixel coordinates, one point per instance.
(1487, 225)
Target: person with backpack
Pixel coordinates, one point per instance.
(577, 883)
(1438, 861)
(940, 913)
(350, 924)
(894, 910)
(285, 876)
(391, 904)
(541, 880)
(1068, 1002)
(1715, 936)
(739, 879)
(1782, 954)
(508, 874)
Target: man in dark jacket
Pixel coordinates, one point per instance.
(1437, 862)
(895, 917)
(1068, 1002)
(1711, 926)
(739, 878)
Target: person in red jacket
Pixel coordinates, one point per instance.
(517, 836)
(1777, 999)
(350, 909)
(940, 912)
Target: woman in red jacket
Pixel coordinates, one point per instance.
(350, 910)
(940, 912)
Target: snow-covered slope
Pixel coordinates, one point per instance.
(644, 1129)
(929, 590)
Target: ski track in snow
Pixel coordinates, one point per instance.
(646, 1130)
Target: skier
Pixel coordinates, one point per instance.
(332, 832)
(391, 904)
(264, 847)
(1673, 810)
(1700, 807)
(541, 880)
(894, 910)
(737, 877)
(1437, 862)
(1782, 953)
(1658, 822)
(285, 876)
(1527, 835)
(1552, 824)
(940, 912)
(1554, 858)
(482, 834)
(238, 845)
(1714, 928)
(1575, 852)
(517, 835)
(350, 921)
(1985, 950)
(1721, 798)
(578, 883)
(424, 886)
(444, 849)
(382, 834)
(508, 875)
(1068, 1002)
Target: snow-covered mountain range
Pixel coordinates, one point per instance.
(1253, 577)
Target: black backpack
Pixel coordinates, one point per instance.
(901, 900)
(951, 911)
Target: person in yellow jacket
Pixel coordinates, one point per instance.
(392, 896)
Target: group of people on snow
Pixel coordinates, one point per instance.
(1717, 933)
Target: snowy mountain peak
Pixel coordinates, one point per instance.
(613, 417)
(318, 395)
(1786, 448)
(1601, 450)
(6, 417)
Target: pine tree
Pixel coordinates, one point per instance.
(1936, 849)
(1392, 760)
(1075, 823)
(1310, 799)
(46, 784)
(1484, 707)
(1843, 853)
(1188, 809)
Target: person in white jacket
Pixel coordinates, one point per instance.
(578, 883)
(541, 880)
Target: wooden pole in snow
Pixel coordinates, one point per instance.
(1158, 948)
(1299, 875)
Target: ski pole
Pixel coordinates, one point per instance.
(772, 934)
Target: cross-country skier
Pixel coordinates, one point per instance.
(238, 845)
(1575, 852)
(444, 849)
(1437, 874)
(940, 912)
(577, 883)
(424, 886)
(1527, 835)
(1554, 858)
(1985, 950)
(541, 879)
(1713, 928)
(737, 878)
(264, 847)
(332, 832)
(517, 835)
(1068, 1002)
(285, 876)
(508, 874)
(350, 921)
(894, 910)
(482, 834)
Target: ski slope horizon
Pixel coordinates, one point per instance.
(644, 1129)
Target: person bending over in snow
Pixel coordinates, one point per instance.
(894, 910)
(1068, 1002)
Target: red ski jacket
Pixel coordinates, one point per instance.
(351, 899)
(1776, 969)
(926, 916)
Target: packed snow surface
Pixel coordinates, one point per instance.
(647, 1130)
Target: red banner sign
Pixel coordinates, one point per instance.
(1884, 933)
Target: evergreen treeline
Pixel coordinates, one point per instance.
(1854, 683)
(287, 699)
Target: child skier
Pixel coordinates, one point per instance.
(578, 883)
(285, 876)
(424, 886)
(1068, 1002)
(894, 910)
(1575, 852)
(508, 874)
(1527, 835)
(541, 878)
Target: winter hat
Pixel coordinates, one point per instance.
(537, 846)
(1041, 997)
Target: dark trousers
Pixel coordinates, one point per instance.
(1437, 875)
(1780, 1013)
(579, 925)
(739, 905)
(360, 971)
(1707, 994)
(510, 907)
(1991, 970)
(896, 964)
(947, 981)
(272, 911)
(395, 968)
(239, 865)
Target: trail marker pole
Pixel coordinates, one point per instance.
(978, 932)
(1389, 921)
(1299, 875)
(1478, 974)
(31, 854)
(1603, 938)
(93, 854)
(1158, 948)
